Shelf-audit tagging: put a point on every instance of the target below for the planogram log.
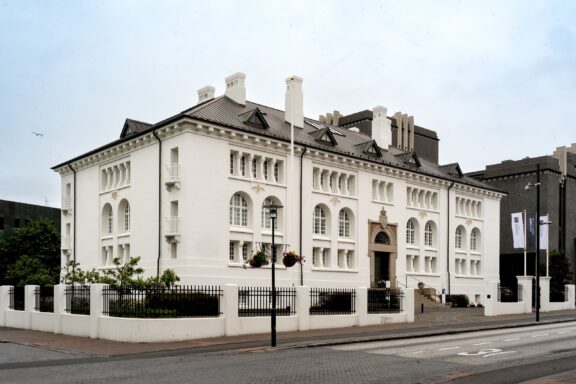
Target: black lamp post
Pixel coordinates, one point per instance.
(273, 209)
(537, 253)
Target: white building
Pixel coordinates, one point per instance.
(187, 193)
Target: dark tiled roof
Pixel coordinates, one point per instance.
(132, 127)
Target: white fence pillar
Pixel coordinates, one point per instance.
(59, 306)
(230, 309)
(29, 304)
(4, 303)
(491, 298)
(571, 295)
(303, 308)
(362, 306)
(526, 283)
(96, 307)
(408, 304)
(544, 294)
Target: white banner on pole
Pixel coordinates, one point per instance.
(518, 230)
(544, 232)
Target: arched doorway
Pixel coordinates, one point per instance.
(383, 252)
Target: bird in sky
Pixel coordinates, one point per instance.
(38, 133)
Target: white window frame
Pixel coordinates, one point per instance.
(344, 224)
(319, 220)
(238, 211)
(410, 232)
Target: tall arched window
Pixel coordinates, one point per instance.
(266, 220)
(475, 240)
(127, 217)
(429, 234)
(238, 211)
(107, 220)
(344, 224)
(319, 222)
(459, 238)
(410, 232)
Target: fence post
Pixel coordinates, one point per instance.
(96, 308)
(29, 304)
(571, 288)
(544, 294)
(59, 306)
(230, 309)
(408, 304)
(362, 306)
(303, 307)
(491, 298)
(4, 303)
(526, 283)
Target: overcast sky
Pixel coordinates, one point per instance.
(495, 79)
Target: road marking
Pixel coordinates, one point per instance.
(480, 352)
(488, 342)
(564, 332)
(413, 353)
(514, 339)
(447, 349)
(498, 353)
(542, 334)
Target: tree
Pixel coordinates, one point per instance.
(38, 240)
(29, 271)
(560, 274)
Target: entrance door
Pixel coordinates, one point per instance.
(381, 268)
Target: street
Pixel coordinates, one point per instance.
(506, 356)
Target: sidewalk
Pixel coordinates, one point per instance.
(426, 324)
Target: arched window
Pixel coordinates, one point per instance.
(475, 240)
(459, 238)
(107, 220)
(410, 232)
(238, 210)
(429, 234)
(382, 238)
(266, 220)
(344, 224)
(319, 224)
(127, 217)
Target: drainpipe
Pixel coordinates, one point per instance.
(159, 202)
(74, 214)
(300, 246)
(448, 238)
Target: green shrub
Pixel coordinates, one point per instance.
(459, 301)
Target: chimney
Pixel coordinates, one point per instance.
(329, 118)
(336, 118)
(294, 102)
(235, 88)
(322, 119)
(381, 127)
(206, 93)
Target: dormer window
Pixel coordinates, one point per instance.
(255, 118)
(370, 148)
(410, 158)
(324, 136)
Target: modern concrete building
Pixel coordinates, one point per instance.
(557, 200)
(14, 215)
(362, 205)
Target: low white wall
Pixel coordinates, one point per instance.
(158, 330)
(228, 323)
(493, 307)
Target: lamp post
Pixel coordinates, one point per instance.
(528, 187)
(273, 210)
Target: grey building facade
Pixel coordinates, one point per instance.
(14, 215)
(557, 199)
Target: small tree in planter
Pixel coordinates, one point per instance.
(291, 258)
(258, 260)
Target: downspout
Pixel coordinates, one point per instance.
(74, 214)
(300, 246)
(448, 238)
(159, 202)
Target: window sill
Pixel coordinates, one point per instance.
(429, 249)
(346, 240)
(267, 232)
(107, 237)
(469, 217)
(321, 238)
(382, 202)
(257, 181)
(328, 193)
(428, 274)
(241, 229)
(331, 269)
(103, 192)
(125, 234)
(413, 247)
(475, 253)
(423, 209)
(469, 277)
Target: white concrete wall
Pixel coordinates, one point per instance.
(493, 307)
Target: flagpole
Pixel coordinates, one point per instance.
(525, 243)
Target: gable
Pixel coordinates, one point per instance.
(256, 119)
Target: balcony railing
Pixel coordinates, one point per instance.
(172, 231)
(172, 175)
(65, 243)
(66, 203)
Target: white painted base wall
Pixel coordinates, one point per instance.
(96, 325)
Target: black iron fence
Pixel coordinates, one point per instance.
(77, 299)
(16, 298)
(558, 295)
(510, 294)
(257, 301)
(44, 299)
(385, 300)
(155, 302)
(327, 301)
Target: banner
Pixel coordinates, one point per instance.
(544, 232)
(518, 230)
(531, 230)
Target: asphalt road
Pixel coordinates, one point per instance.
(488, 357)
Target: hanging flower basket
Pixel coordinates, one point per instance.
(291, 258)
(258, 260)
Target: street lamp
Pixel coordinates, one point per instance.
(529, 187)
(273, 210)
